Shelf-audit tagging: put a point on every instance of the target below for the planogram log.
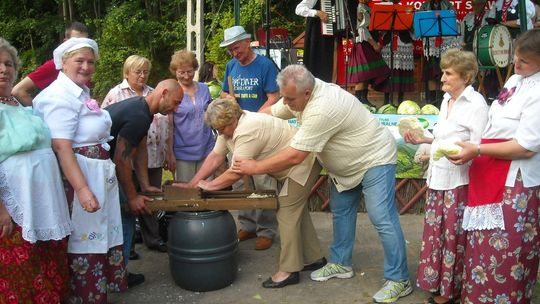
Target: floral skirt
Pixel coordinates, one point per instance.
(501, 264)
(93, 275)
(443, 243)
(32, 273)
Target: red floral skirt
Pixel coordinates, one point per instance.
(501, 264)
(443, 243)
(33, 273)
(94, 275)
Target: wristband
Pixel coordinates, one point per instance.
(478, 150)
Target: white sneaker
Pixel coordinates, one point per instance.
(392, 291)
(332, 270)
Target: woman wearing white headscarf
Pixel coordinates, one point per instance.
(80, 131)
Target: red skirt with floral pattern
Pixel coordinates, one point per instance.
(32, 273)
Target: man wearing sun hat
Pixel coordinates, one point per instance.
(255, 87)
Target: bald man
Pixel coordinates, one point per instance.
(131, 119)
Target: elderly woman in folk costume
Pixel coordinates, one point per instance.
(501, 217)
(34, 217)
(80, 131)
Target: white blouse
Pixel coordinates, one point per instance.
(519, 118)
(71, 114)
(465, 122)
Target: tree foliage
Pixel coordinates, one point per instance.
(150, 28)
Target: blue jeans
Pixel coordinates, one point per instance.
(378, 188)
(128, 225)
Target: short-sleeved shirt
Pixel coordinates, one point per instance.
(345, 137)
(251, 82)
(465, 122)
(131, 119)
(259, 136)
(193, 139)
(518, 118)
(156, 142)
(71, 114)
(44, 75)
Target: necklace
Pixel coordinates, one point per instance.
(9, 100)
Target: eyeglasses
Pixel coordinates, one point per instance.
(138, 72)
(189, 73)
(220, 129)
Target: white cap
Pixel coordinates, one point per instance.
(73, 44)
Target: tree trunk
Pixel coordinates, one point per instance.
(70, 5)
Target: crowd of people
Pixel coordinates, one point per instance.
(98, 160)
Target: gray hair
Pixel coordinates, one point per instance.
(222, 112)
(463, 62)
(299, 75)
(12, 51)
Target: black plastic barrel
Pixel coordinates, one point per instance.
(202, 250)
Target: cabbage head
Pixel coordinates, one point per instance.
(387, 109)
(446, 148)
(429, 109)
(408, 107)
(412, 125)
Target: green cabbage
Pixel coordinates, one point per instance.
(408, 107)
(444, 149)
(429, 109)
(387, 109)
(412, 125)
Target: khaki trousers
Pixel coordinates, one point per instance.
(299, 242)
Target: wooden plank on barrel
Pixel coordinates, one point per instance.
(213, 204)
(171, 192)
(177, 205)
(238, 194)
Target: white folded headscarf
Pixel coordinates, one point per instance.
(73, 44)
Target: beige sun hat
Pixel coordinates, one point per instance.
(234, 34)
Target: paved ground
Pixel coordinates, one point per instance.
(257, 266)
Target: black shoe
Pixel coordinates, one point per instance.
(315, 265)
(133, 255)
(135, 279)
(293, 278)
(161, 247)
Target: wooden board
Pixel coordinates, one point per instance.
(213, 204)
(177, 199)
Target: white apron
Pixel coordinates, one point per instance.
(97, 232)
(32, 191)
